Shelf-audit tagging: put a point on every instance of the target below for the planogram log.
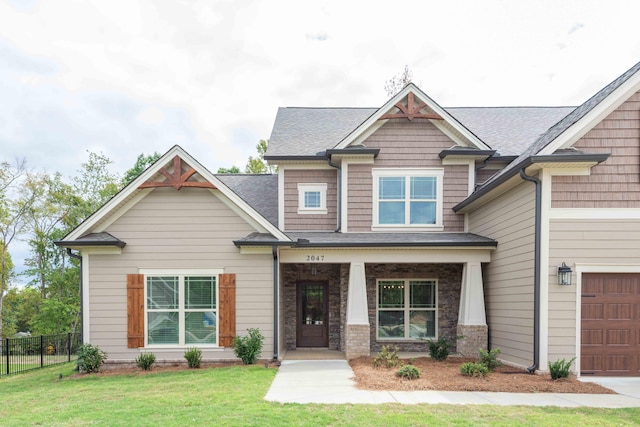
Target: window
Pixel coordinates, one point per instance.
(181, 309)
(312, 198)
(407, 309)
(407, 198)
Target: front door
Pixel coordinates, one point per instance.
(312, 318)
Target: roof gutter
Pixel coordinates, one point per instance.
(536, 271)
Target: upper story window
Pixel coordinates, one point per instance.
(181, 309)
(410, 198)
(312, 198)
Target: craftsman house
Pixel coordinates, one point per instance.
(516, 228)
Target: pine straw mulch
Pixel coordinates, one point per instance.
(446, 376)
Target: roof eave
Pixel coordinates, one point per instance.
(87, 244)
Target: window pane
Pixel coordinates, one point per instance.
(200, 292)
(422, 294)
(423, 187)
(311, 199)
(391, 187)
(312, 304)
(163, 327)
(390, 294)
(391, 213)
(200, 327)
(422, 324)
(422, 213)
(391, 324)
(162, 292)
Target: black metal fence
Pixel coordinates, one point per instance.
(25, 354)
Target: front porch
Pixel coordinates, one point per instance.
(342, 312)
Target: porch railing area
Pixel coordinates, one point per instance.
(24, 354)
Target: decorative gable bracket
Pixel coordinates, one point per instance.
(176, 178)
(411, 111)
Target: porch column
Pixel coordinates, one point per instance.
(357, 329)
(472, 320)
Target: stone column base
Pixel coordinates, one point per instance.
(474, 337)
(357, 341)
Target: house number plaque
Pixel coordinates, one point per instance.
(315, 258)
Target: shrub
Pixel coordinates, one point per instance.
(471, 369)
(439, 350)
(560, 368)
(489, 358)
(90, 358)
(145, 361)
(248, 347)
(408, 372)
(193, 356)
(388, 357)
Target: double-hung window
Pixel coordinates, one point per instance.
(181, 308)
(407, 309)
(312, 198)
(410, 198)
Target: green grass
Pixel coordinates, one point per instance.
(235, 396)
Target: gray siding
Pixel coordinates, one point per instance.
(508, 279)
(298, 222)
(405, 144)
(616, 182)
(170, 229)
(586, 242)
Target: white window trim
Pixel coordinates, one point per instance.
(438, 173)
(307, 187)
(406, 309)
(181, 328)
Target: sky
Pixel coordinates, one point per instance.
(129, 77)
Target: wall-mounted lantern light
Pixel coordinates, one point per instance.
(564, 275)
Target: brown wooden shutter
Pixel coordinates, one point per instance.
(135, 310)
(227, 309)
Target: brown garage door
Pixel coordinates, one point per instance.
(610, 330)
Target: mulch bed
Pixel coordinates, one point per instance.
(446, 376)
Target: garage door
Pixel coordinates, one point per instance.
(610, 330)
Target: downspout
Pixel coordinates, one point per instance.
(274, 250)
(536, 272)
(78, 257)
(337, 166)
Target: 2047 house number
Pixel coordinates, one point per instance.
(315, 258)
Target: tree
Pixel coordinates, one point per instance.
(257, 164)
(142, 163)
(95, 185)
(396, 83)
(232, 169)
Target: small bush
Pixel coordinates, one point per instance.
(249, 347)
(194, 357)
(145, 361)
(489, 358)
(388, 357)
(471, 369)
(408, 372)
(90, 358)
(439, 350)
(560, 368)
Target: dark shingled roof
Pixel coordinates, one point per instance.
(93, 239)
(299, 131)
(333, 239)
(259, 191)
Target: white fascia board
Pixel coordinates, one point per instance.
(372, 121)
(303, 164)
(595, 116)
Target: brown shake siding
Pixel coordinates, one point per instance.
(405, 144)
(616, 182)
(295, 221)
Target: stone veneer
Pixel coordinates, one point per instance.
(351, 339)
(474, 337)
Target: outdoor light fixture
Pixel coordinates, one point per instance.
(564, 275)
(314, 270)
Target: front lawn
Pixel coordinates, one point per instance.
(234, 396)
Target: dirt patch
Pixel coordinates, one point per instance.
(446, 376)
(132, 370)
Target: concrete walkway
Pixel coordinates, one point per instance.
(330, 381)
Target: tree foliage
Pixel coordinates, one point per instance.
(258, 164)
(396, 83)
(142, 163)
(232, 169)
